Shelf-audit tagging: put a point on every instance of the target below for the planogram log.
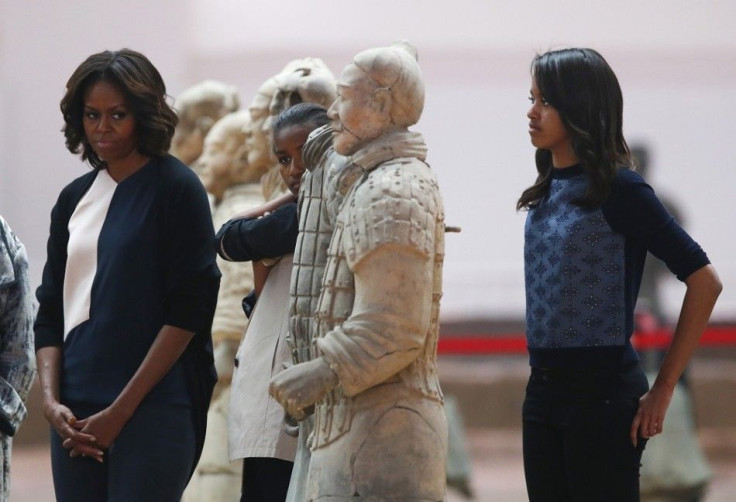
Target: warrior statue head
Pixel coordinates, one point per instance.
(380, 91)
(199, 108)
(306, 80)
(224, 160)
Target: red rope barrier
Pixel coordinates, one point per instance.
(516, 343)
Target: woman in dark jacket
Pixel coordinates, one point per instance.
(128, 292)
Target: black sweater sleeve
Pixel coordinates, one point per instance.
(49, 325)
(254, 239)
(635, 211)
(191, 275)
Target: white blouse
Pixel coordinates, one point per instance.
(85, 226)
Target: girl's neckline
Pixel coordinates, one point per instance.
(566, 172)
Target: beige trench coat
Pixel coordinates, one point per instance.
(255, 419)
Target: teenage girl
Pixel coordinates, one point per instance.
(591, 219)
(255, 423)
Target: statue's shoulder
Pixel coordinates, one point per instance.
(397, 203)
(400, 181)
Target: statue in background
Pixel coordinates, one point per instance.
(238, 162)
(257, 136)
(380, 430)
(199, 108)
(306, 80)
(301, 80)
(323, 185)
(235, 186)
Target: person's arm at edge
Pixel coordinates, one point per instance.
(252, 239)
(17, 359)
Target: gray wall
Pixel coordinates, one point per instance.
(676, 62)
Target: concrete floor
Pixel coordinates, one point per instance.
(496, 459)
(489, 392)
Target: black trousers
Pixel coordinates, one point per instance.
(149, 461)
(265, 479)
(576, 435)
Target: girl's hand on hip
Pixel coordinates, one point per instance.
(649, 419)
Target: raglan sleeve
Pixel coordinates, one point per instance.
(635, 211)
(191, 276)
(49, 325)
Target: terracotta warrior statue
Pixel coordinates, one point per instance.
(324, 185)
(199, 108)
(379, 427)
(301, 80)
(241, 147)
(235, 186)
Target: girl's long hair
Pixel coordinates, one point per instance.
(582, 87)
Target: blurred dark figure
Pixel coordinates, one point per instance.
(673, 466)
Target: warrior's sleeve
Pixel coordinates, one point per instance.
(390, 235)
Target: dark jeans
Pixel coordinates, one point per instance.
(150, 460)
(265, 479)
(576, 435)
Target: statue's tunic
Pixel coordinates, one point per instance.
(382, 432)
(321, 192)
(310, 254)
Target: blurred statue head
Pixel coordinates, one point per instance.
(224, 160)
(305, 80)
(380, 91)
(640, 153)
(256, 134)
(199, 108)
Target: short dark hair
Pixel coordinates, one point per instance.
(145, 94)
(583, 89)
(306, 114)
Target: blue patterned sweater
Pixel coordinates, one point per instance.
(583, 269)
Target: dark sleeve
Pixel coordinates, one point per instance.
(249, 239)
(17, 312)
(249, 303)
(634, 210)
(191, 278)
(49, 325)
